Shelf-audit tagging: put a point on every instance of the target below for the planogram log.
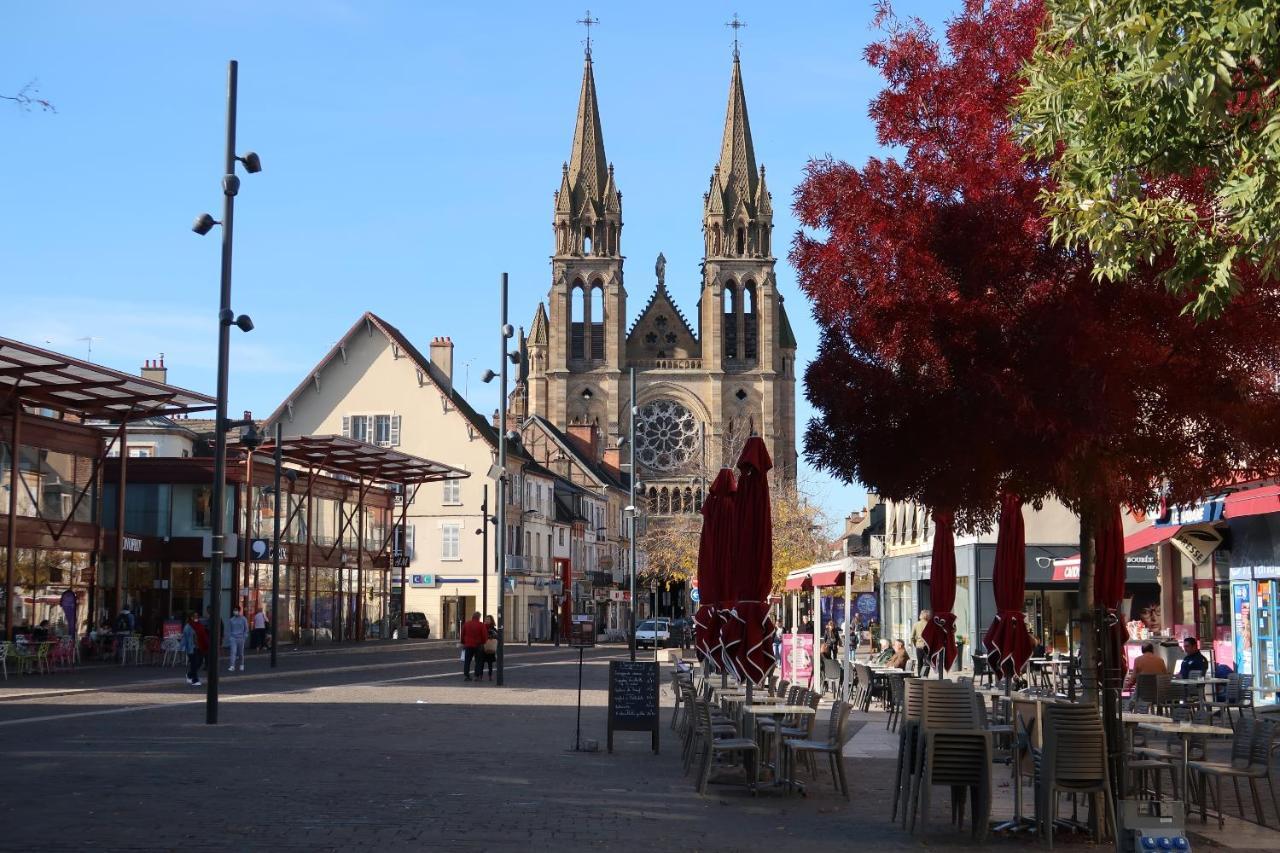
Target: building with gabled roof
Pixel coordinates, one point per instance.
(375, 385)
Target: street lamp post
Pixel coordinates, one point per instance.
(502, 486)
(226, 319)
(635, 515)
(499, 473)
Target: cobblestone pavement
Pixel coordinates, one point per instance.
(388, 749)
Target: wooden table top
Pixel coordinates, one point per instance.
(1145, 719)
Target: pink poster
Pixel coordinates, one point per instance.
(797, 658)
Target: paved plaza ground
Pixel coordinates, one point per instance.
(386, 748)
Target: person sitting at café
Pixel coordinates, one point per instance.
(899, 659)
(41, 632)
(1194, 663)
(1147, 663)
(882, 659)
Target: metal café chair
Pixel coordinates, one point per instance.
(712, 746)
(1251, 749)
(831, 747)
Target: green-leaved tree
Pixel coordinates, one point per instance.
(1165, 115)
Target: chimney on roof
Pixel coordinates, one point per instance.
(613, 461)
(155, 370)
(442, 357)
(586, 439)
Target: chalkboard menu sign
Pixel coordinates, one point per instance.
(633, 698)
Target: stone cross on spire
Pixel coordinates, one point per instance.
(588, 22)
(736, 24)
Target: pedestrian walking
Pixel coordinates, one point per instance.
(474, 635)
(195, 642)
(917, 641)
(258, 640)
(490, 646)
(237, 633)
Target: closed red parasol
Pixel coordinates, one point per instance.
(715, 550)
(1108, 583)
(748, 628)
(940, 634)
(1007, 641)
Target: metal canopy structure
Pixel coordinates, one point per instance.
(89, 391)
(361, 460)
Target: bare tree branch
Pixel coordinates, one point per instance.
(28, 98)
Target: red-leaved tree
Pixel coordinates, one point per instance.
(963, 353)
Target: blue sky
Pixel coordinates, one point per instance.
(410, 153)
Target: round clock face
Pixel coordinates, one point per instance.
(667, 435)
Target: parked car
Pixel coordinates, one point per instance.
(417, 625)
(653, 631)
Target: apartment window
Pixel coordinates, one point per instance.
(526, 543)
(561, 536)
(449, 536)
(145, 451)
(452, 491)
(380, 429)
(403, 541)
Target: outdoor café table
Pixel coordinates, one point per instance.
(1196, 682)
(1187, 731)
(1132, 720)
(778, 712)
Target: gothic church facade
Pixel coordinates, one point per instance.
(701, 389)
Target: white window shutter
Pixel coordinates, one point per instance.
(346, 426)
(395, 430)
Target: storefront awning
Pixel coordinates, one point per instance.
(818, 579)
(1253, 502)
(827, 574)
(1147, 537)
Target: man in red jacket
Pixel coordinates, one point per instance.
(474, 635)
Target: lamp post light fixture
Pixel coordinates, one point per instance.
(226, 319)
(499, 472)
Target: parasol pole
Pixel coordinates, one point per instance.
(849, 639)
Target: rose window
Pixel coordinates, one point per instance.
(667, 435)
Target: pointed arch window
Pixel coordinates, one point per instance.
(578, 311)
(732, 308)
(750, 321)
(586, 241)
(597, 328)
(742, 241)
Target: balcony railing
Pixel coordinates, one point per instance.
(670, 364)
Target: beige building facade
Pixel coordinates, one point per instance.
(376, 386)
(702, 388)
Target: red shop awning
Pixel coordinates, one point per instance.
(835, 578)
(1253, 502)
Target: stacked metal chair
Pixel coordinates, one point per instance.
(954, 751)
(908, 733)
(1073, 761)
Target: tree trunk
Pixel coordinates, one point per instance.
(1088, 625)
